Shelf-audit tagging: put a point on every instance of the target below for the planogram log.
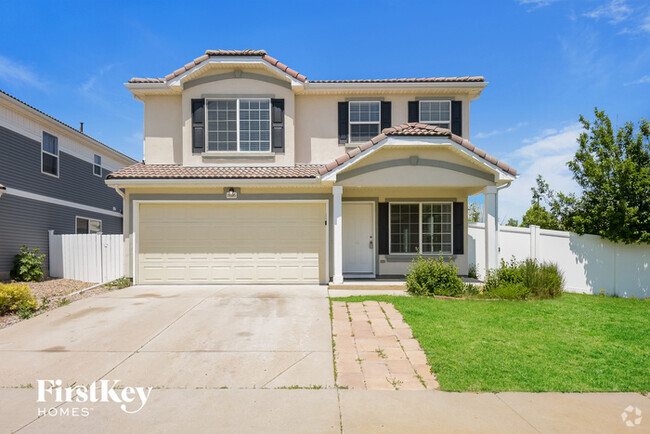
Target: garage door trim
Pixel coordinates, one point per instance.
(136, 224)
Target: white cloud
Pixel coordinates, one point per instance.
(615, 12)
(12, 71)
(483, 135)
(536, 3)
(547, 155)
(643, 80)
(89, 85)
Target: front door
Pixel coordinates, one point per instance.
(359, 239)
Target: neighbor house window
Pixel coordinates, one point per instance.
(365, 119)
(421, 227)
(435, 113)
(50, 154)
(242, 125)
(97, 166)
(88, 226)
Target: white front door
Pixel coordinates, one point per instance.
(358, 238)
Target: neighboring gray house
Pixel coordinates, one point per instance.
(51, 177)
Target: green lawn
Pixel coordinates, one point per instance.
(576, 343)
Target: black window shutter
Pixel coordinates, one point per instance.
(457, 118)
(414, 111)
(198, 125)
(382, 242)
(386, 114)
(343, 122)
(459, 227)
(277, 130)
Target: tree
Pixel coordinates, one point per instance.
(512, 222)
(614, 173)
(613, 170)
(474, 213)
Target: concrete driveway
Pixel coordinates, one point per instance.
(175, 337)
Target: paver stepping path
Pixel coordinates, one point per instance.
(375, 349)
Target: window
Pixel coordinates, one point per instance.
(97, 166)
(88, 226)
(423, 227)
(242, 125)
(50, 155)
(365, 120)
(435, 113)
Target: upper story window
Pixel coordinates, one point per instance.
(242, 125)
(97, 166)
(436, 113)
(50, 155)
(423, 227)
(85, 225)
(365, 120)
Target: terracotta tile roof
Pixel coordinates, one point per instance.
(415, 129)
(221, 53)
(466, 79)
(74, 130)
(175, 171)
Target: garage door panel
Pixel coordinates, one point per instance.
(232, 243)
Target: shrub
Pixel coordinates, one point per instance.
(544, 280)
(433, 277)
(470, 290)
(471, 272)
(508, 272)
(16, 297)
(510, 291)
(28, 265)
(121, 283)
(540, 280)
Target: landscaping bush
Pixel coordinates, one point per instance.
(433, 277)
(510, 291)
(28, 265)
(470, 290)
(15, 297)
(526, 279)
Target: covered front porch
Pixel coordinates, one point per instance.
(403, 196)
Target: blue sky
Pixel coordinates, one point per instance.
(547, 61)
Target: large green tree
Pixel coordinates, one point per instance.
(613, 169)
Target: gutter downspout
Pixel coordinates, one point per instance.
(117, 189)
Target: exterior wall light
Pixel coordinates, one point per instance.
(231, 193)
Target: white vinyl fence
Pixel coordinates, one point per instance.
(589, 262)
(87, 257)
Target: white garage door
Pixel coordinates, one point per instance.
(231, 243)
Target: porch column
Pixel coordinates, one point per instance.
(491, 227)
(337, 209)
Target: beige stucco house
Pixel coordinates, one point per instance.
(254, 174)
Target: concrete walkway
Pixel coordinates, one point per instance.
(243, 359)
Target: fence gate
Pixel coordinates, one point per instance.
(88, 257)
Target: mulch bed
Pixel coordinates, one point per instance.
(54, 290)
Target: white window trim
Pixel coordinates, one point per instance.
(350, 122)
(97, 165)
(43, 151)
(390, 229)
(208, 151)
(437, 122)
(101, 224)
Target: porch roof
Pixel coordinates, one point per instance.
(415, 129)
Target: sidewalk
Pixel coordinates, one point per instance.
(331, 410)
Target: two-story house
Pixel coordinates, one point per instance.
(53, 178)
(254, 174)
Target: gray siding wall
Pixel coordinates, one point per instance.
(26, 222)
(20, 167)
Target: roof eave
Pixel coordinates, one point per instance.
(225, 182)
